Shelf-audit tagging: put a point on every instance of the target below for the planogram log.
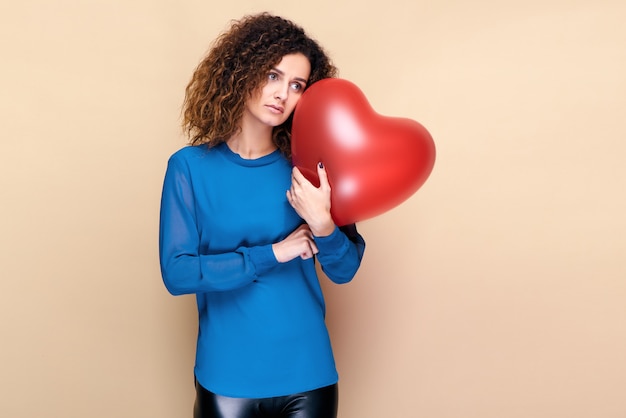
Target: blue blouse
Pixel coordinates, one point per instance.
(261, 323)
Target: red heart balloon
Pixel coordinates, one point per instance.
(373, 162)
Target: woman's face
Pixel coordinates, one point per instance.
(276, 99)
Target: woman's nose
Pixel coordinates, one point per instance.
(282, 92)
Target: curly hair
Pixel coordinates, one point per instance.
(235, 66)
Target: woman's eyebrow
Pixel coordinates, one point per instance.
(302, 80)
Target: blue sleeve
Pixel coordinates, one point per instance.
(340, 253)
(183, 268)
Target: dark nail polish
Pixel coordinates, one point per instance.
(320, 164)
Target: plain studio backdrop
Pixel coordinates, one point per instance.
(498, 290)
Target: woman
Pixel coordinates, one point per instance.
(241, 228)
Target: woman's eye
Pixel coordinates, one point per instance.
(296, 86)
(273, 76)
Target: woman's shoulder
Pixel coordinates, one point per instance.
(193, 153)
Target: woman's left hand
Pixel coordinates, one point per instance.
(312, 203)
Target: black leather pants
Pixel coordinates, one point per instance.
(319, 403)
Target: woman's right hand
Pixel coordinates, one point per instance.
(299, 243)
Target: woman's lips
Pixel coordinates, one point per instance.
(276, 109)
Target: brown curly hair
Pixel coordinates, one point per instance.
(235, 66)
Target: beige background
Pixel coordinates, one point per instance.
(497, 290)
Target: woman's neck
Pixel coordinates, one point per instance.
(252, 141)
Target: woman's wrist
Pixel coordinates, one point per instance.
(323, 228)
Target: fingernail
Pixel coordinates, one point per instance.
(320, 164)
